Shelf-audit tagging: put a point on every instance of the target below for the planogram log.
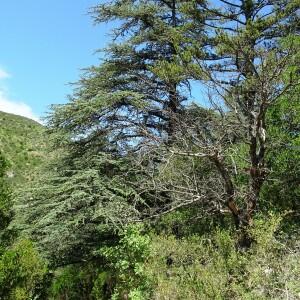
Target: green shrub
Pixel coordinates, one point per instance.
(21, 272)
(213, 267)
(127, 264)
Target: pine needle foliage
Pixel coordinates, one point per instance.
(81, 201)
(141, 83)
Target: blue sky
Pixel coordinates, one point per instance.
(44, 44)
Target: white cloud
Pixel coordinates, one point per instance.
(11, 106)
(4, 74)
(17, 108)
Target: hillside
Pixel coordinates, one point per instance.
(22, 143)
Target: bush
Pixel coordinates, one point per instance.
(213, 267)
(73, 282)
(126, 262)
(22, 272)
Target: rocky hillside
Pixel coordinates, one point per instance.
(23, 144)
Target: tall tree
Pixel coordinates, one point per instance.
(116, 107)
(250, 48)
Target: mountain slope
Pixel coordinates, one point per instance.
(23, 144)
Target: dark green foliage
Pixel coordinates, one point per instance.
(73, 282)
(189, 221)
(6, 201)
(122, 272)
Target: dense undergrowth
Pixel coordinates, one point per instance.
(147, 265)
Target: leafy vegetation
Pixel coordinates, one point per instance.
(209, 267)
(146, 195)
